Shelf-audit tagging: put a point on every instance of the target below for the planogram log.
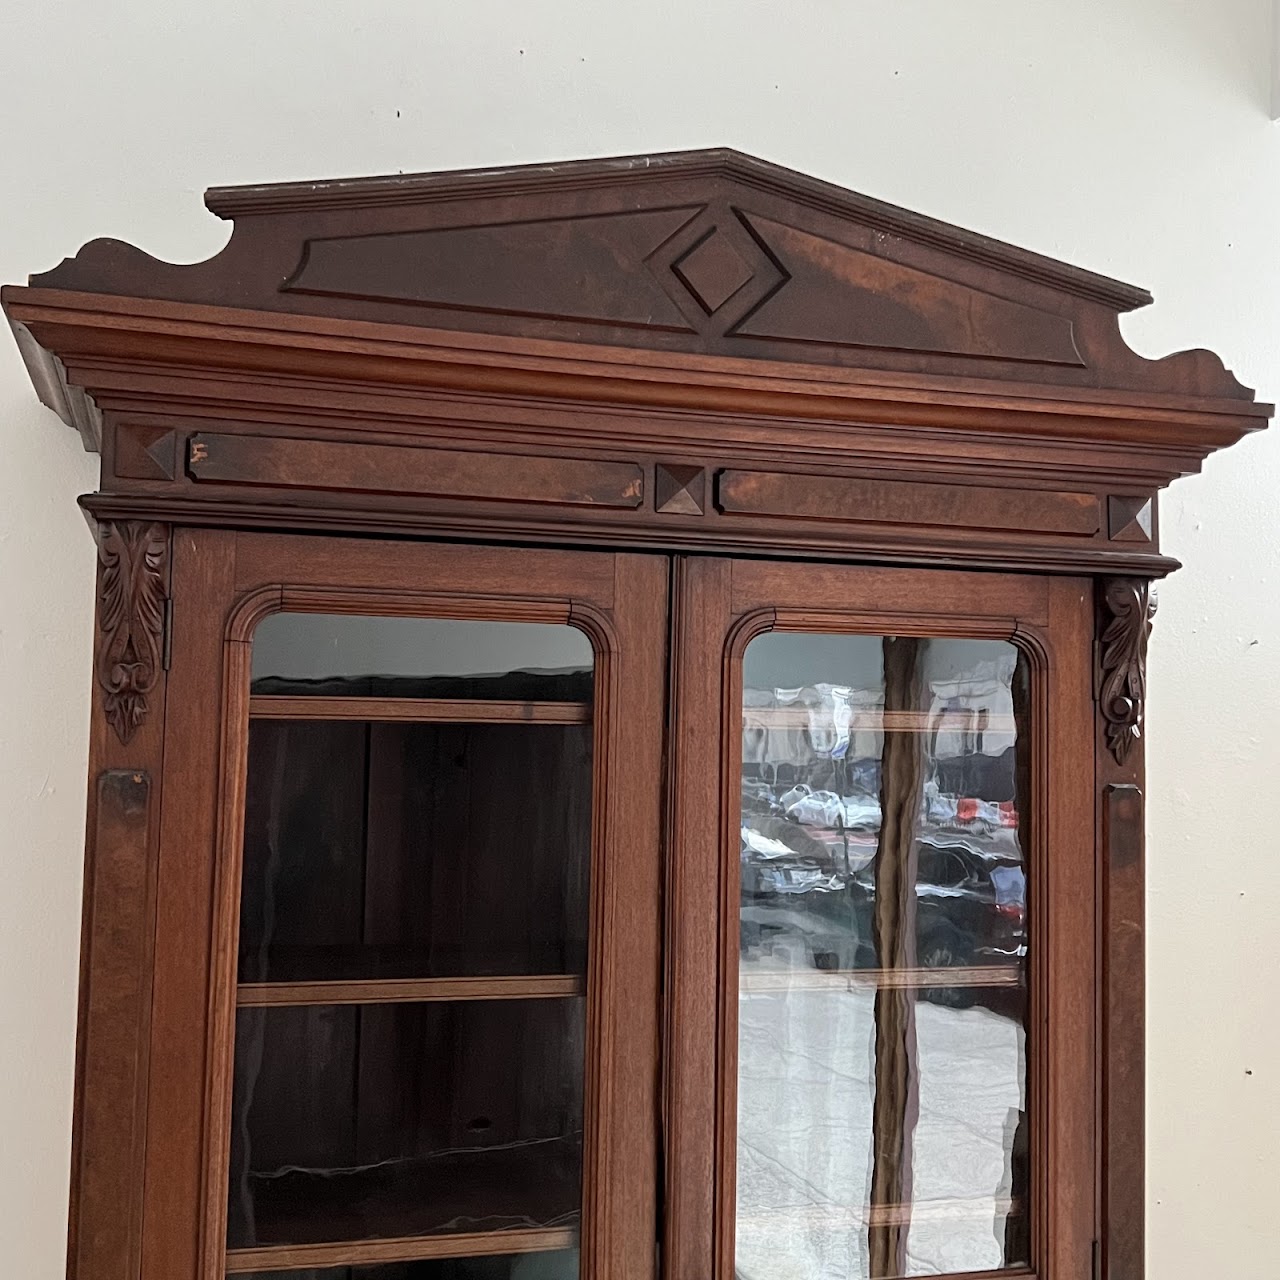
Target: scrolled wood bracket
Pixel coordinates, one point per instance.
(1127, 607)
(132, 589)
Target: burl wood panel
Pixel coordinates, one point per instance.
(813, 497)
(369, 468)
(699, 252)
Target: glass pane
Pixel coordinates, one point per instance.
(560, 1264)
(882, 1079)
(366, 1122)
(394, 850)
(353, 655)
(410, 1038)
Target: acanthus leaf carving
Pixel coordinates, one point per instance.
(1128, 607)
(134, 556)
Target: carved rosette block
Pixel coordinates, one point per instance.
(1127, 609)
(133, 555)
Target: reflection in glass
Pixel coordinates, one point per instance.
(410, 1033)
(883, 975)
(353, 655)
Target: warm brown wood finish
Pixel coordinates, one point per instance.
(1124, 611)
(412, 1248)
(408, 990)
(419, 710)
(674, 401)
(1052, 622)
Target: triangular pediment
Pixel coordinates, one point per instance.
(710, 253)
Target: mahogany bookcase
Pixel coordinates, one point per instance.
(617, 734)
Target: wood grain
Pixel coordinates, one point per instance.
(418, 710)
(408, 1249)
(368, 468)
(817, 497)
(413, 395)
(408, 990)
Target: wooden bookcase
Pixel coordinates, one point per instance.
(617, 734)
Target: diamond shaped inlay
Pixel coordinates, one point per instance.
(716, 270)
(713, 271)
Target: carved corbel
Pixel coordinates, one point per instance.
(132, 589)
(1127, 608)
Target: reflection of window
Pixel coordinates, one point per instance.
(882, 983)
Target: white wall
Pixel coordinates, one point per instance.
(1129, 136)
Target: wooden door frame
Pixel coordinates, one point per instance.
(226, 584)
(719, 606)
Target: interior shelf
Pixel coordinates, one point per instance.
(288, 1258)
(367, 962)
(517, 1198)
(410, 990)
(800, 717)
(884, 979)
(417, 710)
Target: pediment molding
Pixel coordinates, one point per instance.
(702, 253)
(692, 352)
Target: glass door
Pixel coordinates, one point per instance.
(427, 1005)
(905, 862)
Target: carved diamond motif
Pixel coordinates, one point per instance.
(713, 271)
(716, 270)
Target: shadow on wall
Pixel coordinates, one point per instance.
(1228, 41)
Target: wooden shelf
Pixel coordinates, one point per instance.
(409, 990)
(418, 710)
(825, 1217)
(373, 962)
(884, 721)
(405, 1249)
(429, 1207)
(842, 979)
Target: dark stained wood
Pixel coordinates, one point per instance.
(110, 1139)
(1124, 1019)
(409, 990)
(406, 1249)
(1051, 621)
(895, 1102)
(417, 710)
(371, 468)
(879, 501)
(1122, 698)
(1063, 971)
(614, 249)
(117, 965)
(912, 978)
(700, 815)
(620, 602)
(132, 591)
(407, 385)
(588, 327)
(180, 1089)
(412, 396)
(1124, 620)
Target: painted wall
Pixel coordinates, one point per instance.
(1129, 136)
